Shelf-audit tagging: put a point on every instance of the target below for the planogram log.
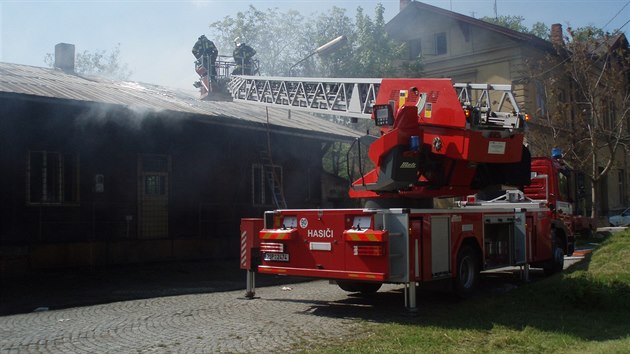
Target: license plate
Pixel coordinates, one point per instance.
(276, 257)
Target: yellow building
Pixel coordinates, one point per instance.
(466, 49)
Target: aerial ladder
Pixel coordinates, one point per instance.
(354, 97)
(437, 139)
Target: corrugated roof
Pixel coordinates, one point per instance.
(56, 84)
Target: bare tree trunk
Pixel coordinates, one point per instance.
(595, 178)
(594, 198)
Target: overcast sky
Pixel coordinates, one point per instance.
(156, 36)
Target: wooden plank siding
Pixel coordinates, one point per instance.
(207, 192)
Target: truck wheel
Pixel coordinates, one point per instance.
(467, 277)
(556, 264)
(358, 287)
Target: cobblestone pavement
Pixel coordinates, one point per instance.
(285, 315)
(282, 316)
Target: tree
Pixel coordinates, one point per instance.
(321, 30)
(585, 88)
(277, 37)
(99, 63)
(512, 22)
(375, 52)
(539, 29)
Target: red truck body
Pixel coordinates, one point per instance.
(400, 245)
(363, 248)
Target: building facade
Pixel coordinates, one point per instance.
(97, 173)
(469, 50)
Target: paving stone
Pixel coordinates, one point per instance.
(276, 321)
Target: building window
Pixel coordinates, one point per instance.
(52, 178)
(440, 43)
(266, 184)
(414, 47)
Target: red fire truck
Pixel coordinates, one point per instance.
(435, 140)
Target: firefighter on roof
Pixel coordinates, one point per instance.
(206, 53)
(243, 55)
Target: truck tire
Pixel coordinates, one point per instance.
(358, 287)
(467, 276)
(556, 264)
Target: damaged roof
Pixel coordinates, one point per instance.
(38, 82)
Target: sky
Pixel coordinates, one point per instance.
(156, 37)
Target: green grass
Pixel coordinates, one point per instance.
(585, 309)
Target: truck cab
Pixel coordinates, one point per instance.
(564, 191)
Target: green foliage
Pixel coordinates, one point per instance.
(348, 160)
(99, 63)
(512, 22)
(369, 51)
(541, 30)
(321, 30)
(374, 51)
(588, 33)
(584, 310)
(335, 159)
(275, 35)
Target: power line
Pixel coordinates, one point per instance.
(611, 20)
(599, 46)
(624, 25)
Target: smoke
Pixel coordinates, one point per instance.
(136, 103)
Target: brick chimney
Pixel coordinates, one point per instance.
(64, 57)
(556, 34)
(403, 4)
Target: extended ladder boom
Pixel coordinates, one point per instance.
(344, 97)
(354, 97)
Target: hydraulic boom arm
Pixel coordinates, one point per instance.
(436, 138)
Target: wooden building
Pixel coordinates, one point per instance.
(98, 172)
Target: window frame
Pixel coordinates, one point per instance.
(58, 192)
(438, 46)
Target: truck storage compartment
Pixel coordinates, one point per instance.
(504, 240)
